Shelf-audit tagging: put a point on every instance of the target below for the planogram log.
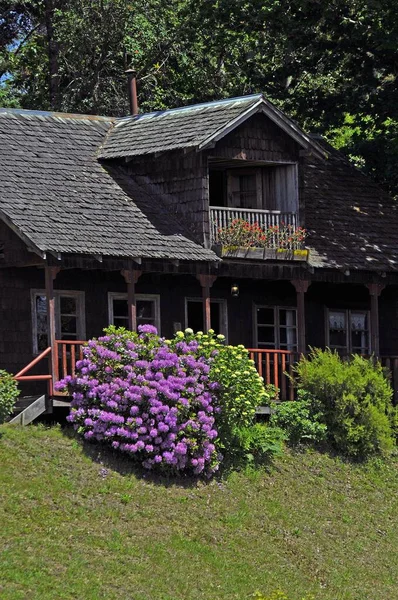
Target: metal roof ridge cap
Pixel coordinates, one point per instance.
(24, 112)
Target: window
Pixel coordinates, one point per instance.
(218, 314)
(348, 331)
(69, 317)
(276, 327)
(244, 188)
(148, 310)
(272, 187)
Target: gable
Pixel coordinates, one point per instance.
(257, 139)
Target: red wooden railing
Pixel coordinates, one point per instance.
(67, 352)
(276, 367)
(21, 375)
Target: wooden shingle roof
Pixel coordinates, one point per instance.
(352, 222)
(59, 198)
(197, 126)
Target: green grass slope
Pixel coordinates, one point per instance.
(74, 528)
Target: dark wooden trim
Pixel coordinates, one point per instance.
(131, 277)
(375, 290)
(301, 286)
(50, 275)
(206, 281)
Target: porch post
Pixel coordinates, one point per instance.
(375, 290)
(206, 281)
(301, 286)
(131, 277)
(50, 275)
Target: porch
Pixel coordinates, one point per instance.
(276, 316)
(275, 366)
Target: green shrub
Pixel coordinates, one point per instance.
(240, 391)
(298, 420)
(258, 443)
(354, 398)
(8, 394)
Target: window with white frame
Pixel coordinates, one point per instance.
(147, 305)
(69, 317)
(348, 331)
(275, 327)
(218, 315)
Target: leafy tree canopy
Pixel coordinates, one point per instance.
(331, 65)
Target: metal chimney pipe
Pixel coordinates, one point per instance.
(132, 85)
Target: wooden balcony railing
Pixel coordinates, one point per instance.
(221, 217)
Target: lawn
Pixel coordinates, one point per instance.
(77, 525)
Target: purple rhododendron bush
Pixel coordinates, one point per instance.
(148, 398)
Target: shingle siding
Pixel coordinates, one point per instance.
(180, 181)
(257, 139)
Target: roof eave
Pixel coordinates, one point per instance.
(31, 246)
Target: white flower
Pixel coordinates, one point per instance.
(189, 331)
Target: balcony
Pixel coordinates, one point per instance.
(257, 234)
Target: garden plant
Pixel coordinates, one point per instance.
(8, 394)
(241, 233)
(352, 398)
(172, 405)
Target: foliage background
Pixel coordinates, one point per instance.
(331, 65)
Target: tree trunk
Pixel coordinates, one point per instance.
(52, 49)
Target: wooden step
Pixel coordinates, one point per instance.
(28, 409)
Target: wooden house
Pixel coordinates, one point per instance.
(106, 220)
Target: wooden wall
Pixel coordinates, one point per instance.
(16, 320)
(257, 139)
(181, 181)
(13, 251)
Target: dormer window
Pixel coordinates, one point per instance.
(269, 187)
(243, 189)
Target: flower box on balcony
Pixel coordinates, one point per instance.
(261, 253)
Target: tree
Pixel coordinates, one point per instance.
(322, 62)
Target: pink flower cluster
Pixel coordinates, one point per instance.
(139, 396)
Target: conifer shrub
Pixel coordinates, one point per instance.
(352, 398)
(8, 394)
